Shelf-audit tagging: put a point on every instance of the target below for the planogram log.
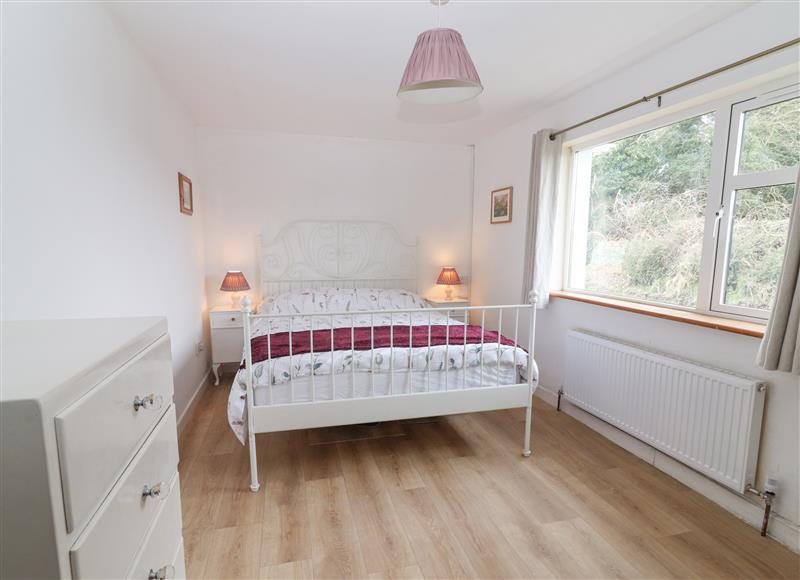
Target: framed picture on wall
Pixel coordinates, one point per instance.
(501, 205)
(185, 192)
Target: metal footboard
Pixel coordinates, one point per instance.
(312, 410)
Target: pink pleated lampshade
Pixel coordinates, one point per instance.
(448, 276)
(439, 70)
(234, 282)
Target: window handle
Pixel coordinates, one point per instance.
(717, 218)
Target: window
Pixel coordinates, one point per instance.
(693, 213)
(759, 183)
(642, 206)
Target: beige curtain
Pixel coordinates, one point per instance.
(542, 205)
(780, 349)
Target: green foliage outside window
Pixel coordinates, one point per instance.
(647, 201)
(771, 137)
(646, 217)
(761, 221)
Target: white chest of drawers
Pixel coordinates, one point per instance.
(89, 451)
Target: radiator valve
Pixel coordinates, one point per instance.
(768, 496)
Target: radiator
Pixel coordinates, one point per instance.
(707, 418)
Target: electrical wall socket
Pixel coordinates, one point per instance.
(200, 347)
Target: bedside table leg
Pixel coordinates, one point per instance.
(215, 370)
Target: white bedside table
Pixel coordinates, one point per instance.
(227, 338)
(454, 303)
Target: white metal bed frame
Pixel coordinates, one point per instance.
(311, 254)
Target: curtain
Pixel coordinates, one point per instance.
(780, 349)
(542, 204)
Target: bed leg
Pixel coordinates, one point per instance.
(526, 450)
(250, 399)
(254, 485)
(533, 298)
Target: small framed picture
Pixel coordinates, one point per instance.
(501, 205)
(185, 191)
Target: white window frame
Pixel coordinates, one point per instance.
(720, 189)
(734, 181)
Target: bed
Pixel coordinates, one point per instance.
(342, 337)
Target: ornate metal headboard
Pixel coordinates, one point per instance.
(357, 254)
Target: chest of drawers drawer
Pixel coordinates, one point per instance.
(107, 546)
(99, 433)
(162, 550)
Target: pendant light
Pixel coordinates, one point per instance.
(439, 69)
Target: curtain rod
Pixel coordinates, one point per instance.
(658, 94)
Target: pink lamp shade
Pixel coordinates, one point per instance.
(234, 282)
(439, 70)
(449, 277)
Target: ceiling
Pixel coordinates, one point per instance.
(332, 68)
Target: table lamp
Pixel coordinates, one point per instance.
(235, 282)
(449, 277)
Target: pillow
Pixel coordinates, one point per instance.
(399, 299)
(300, 301)
(329, 299)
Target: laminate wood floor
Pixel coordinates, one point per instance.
(450, 499)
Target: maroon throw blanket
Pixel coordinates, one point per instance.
(362, 339)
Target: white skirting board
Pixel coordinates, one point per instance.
(780, 529)
(186, 414)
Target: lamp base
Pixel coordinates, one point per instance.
(448, 293)
(236, 301)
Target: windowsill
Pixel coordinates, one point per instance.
(708, 321)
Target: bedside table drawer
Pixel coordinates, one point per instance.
(230, 319)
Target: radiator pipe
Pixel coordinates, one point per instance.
(558, 403)
(768, 496)
(765, 522)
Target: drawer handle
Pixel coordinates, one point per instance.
(162, 573)
(151, 401)
(233, 319)
(158, 491)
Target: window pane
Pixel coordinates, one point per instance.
(759, 231)
(771, 137)
(643, 228)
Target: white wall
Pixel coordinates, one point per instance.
(504, 159)
(91, 150)
(265, 180)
